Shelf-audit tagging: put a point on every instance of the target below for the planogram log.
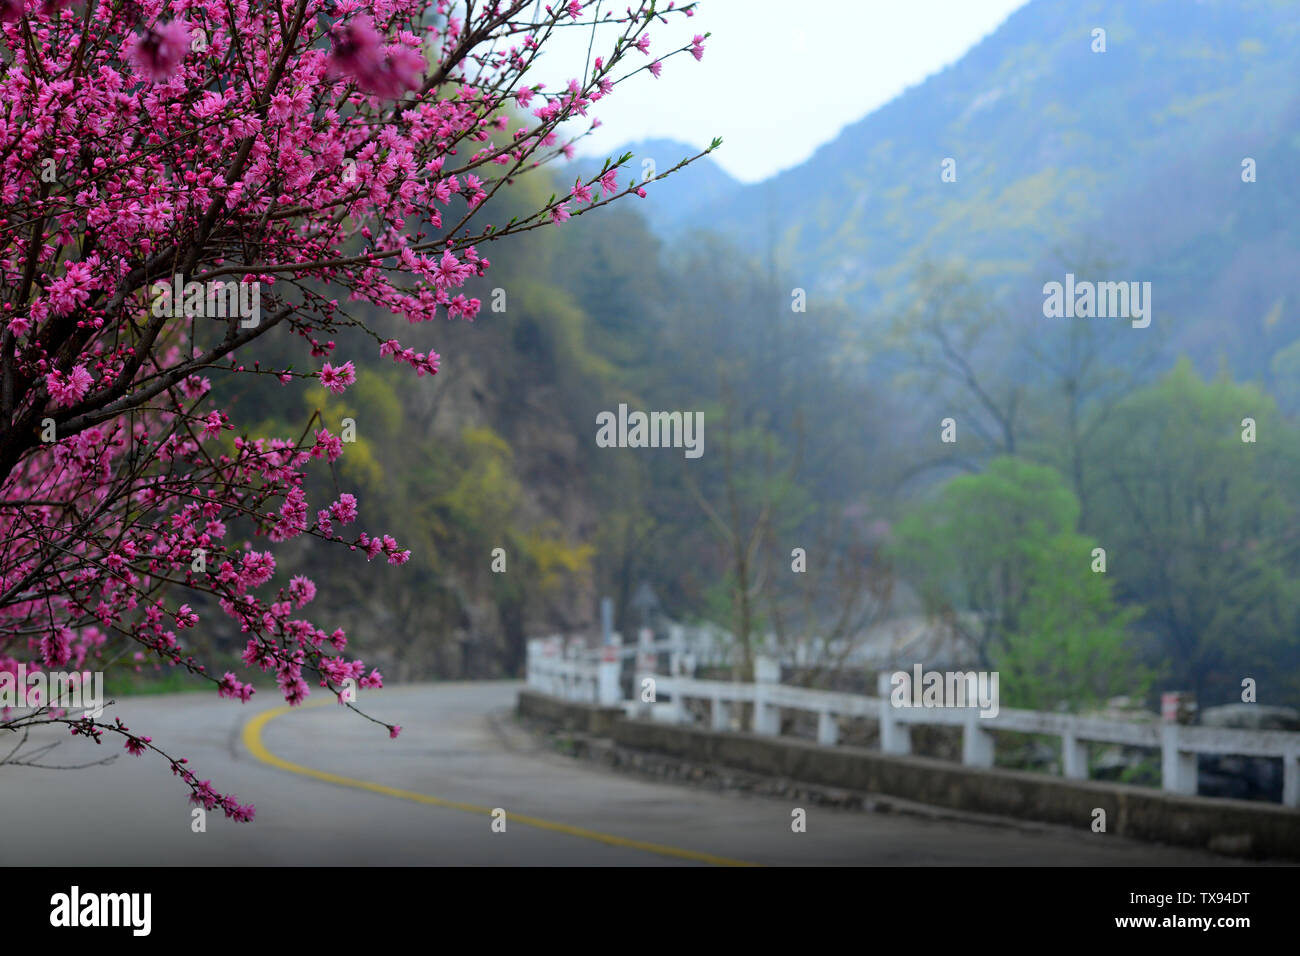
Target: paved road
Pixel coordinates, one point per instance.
(356, 797)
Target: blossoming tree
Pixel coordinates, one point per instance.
(163, 167)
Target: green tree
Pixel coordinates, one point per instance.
(999, 556)
(1071, 643)
(1202, 527)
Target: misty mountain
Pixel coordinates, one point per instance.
(1134, 155)
(677, 198)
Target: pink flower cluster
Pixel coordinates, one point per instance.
(159, 50)
(382, 69)
(290, 152)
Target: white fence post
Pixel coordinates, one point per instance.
(976, 742)
(828, 730)
(895, 736)
(573, 689)
(607, 689)
(767, 718)
(569, 670)
(532, 665)
(641, 707)
(647, 658)
(675, 708)
(721, 714)
(552, 651)
(1177, 767)
(1074, 757)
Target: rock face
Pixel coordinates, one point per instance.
(447, 613)
(548, 461)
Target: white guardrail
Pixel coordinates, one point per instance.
(571, 671)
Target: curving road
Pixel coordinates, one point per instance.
(331, 788)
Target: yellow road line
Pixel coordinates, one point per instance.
(252, 739)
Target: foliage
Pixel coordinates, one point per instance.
(1203, 527)
(999, 556)
(178, 183)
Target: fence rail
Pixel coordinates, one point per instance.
(572, 671)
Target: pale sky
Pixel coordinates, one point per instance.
(772, 88)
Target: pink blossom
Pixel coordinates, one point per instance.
(406, 67)
(258, 568)
(580, 192)
(385, 71)
(302, 589)
(212, 425)
(231, 687)
(358, 48)
(344, 511)
(160, 50)
(69, 389)
(158, 483)
(56, 647)
(331, 446)
(72, 289)
(338, 379)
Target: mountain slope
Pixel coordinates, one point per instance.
(1137, 150)
(677, 197)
